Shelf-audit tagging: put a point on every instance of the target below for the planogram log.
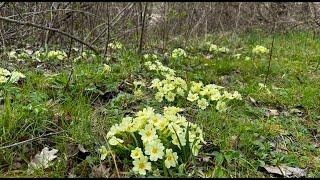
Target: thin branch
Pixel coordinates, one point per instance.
(143, 27)
(52, 10)
(114, 21)
(28, 140)
(51, 29)
(270, 54)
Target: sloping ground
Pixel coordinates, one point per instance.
(70, 104)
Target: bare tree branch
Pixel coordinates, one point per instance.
(51, 29)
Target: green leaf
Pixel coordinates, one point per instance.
(219, 172)
(219, 158)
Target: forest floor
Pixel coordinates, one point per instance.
(69, 104)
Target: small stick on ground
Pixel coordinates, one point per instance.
(270, 54)
(28, 140)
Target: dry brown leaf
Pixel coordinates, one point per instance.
(296, 111)
(28, 51)
(253, 101)
(286, 171)
(234, 141)
(82, 149)
(272, 112)
(100, 171)
(42, 159)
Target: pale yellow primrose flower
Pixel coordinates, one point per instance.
(171, 110)
(138, 94)
(221, 106)
(170, 96)
(260, 50)
(215, 95)
(202, 103)
(138, 83)
(155, 120)
(171, 158)
(15, 76)
(180, 91)
(213, 47)
(115, 45)
(3, 79)
(126, 123)
(178, 53)
(159, 96)
(156, 83)
(113, 130)
(141, 165)
(136, 153)
(228, 95)
(192, 97)
(155, 150)
(163, 124)
(148, 133)
(223, 49)
(196, 147)
(196, 87)
(104, 152)
(4, 72)
(153, 67)
(181, 136)
(106, 68)
(204, 92)
(173, 126)
(114, 141)
(236, 95)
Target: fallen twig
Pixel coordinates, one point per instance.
(28, 140)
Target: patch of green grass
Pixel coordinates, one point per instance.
(81, 103)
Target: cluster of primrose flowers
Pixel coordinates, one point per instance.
(18, 56)
(178, 53)
(150, 57)
(203, 95)
(12, 77)
(161, 138)
(159, 68)
(115, 45)
(168, 88)
(172, 86)
(259, 50)
(84, 55)
(215, 48)
(106, 68)
(51, 55)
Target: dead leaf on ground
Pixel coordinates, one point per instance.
(72, 175)
(82, 149)
(42, 159)
(253, 101)
(286, 171)
(272, 112)
(100, 171)
(296, 111)
(29, 51)
(234, 141)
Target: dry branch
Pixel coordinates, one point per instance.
(50, 29)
